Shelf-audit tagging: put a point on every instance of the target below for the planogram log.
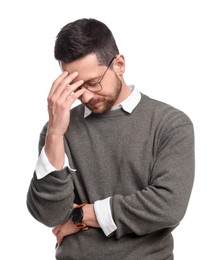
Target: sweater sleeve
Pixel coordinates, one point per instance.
(50, 199)
(162, 204)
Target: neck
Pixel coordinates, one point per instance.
(125, 93)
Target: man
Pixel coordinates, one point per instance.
(115, 173)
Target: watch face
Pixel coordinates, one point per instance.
(77, 215)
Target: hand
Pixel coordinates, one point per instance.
(65, 229)
(61, 97)
(68, 228)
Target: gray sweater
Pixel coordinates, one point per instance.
(143, 160)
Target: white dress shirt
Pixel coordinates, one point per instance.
(102, 207)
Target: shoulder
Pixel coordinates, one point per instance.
(164, 112)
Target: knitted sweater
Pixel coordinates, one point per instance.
(144, 161)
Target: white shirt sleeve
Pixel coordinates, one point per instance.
(44, 167)
(104, 216)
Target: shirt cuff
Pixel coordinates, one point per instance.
(44, 167)
(104, 216)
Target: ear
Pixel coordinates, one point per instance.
(119, 64)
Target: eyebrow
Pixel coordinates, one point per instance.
(94, 79)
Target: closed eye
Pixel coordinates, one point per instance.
(91, 83)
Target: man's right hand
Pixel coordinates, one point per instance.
(61, 97)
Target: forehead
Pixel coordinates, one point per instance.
(87, 66)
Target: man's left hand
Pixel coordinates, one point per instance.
(65, 229)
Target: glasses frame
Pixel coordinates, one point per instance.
(100, 80)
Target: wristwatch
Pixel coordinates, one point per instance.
(77, 217)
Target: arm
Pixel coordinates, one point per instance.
(50, 199)
(163, 203)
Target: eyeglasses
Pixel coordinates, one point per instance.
(96, 86)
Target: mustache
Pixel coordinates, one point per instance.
(94, 101)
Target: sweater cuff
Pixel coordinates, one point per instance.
(44, 167)
(104, 216)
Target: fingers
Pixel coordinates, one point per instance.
(57, 82)
(64, 230)
(56, 230)
(59, 238)
(60, 85)
(62, 81)
(58, 233)
(72, 92)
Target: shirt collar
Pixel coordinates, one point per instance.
(128, 104)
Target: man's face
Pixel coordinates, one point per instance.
(91, 72)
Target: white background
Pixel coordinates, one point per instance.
(174, 53)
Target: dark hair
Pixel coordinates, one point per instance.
(85, 36)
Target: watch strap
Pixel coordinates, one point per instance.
(81, 225)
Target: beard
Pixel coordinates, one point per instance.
(101, 104)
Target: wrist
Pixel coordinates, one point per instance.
(54, 134)
(89, 216)
(54, 149)
(77, 217)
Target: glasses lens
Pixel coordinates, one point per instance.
(93, 87)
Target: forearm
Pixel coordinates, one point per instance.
(146, 212)
(50, 200)
(54, 148)
(163, 203)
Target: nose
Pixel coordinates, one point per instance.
(87, 96)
